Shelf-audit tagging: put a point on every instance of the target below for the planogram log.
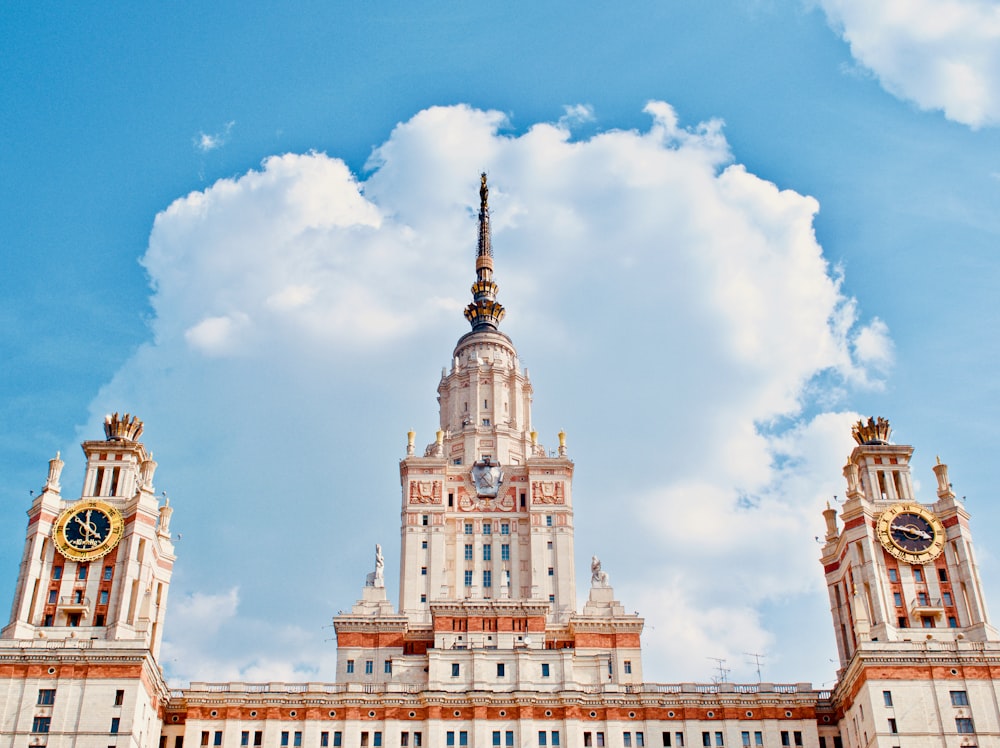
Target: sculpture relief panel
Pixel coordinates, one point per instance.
(425, 492)
(548, 492)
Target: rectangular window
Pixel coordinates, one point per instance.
(496, 737)
(369, 667)
(245, 737)
(107, 573)
(893, 575)
(179, 741)
(797, 737)
(423, 545)
(455, 670)
(425, 519)
(284, 737)
(952, 622)
(350, 666)
(258, 737)
(901, 622)
(487, 528)
(897, 599)
(555, 737)
(600, 739)
(947, 598)
(640, 740)
(53, 593)
(784, 738)
(487, 578)
(552, 571)
(500, 673)
(964, 725)
(57, 572)
(706, 740)
(746, 738)
(545, 670)
(679, 739)
(588, 738)
(927, 622)
(718, 740)
(548, 523)
(541, 738)
(922, 598)
(758, 738)
(119, 697)
(46, 696)
(423, 598)
(942, 575)
(41, 724)
(387, 667)
(377, 739)
(959, 698)
(628, 667)
(887, 697)
(81, 572)
(338, 738)
(463, 738)
(364, 738)
(505, 552)
(217, 738)
(487, 552)
(505, 528)
(468, 551)
(666, 739)
(418, 739)
(468, 528)
(918, 574)
(468, 577)
(423, 571)
(892, 726)
(627, 739)
(548, 545)
(115, 722)
(324, 739)
(103, 598)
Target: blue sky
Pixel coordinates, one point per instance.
(706, 288)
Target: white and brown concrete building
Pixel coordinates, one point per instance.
(488, 645)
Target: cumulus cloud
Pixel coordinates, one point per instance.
(939, 54)
(677, 313)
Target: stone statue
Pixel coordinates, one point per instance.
(377, 577)
(598, 578)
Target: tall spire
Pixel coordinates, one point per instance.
(485, 312)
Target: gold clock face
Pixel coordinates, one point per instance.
(88, 530)
(911, 533)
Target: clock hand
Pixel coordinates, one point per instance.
(914, 531)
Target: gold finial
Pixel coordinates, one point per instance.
(485, 312)
(872, 432)
(484, 192)
(120, 428)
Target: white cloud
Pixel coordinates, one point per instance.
(940, 54)
(206, 142)
(677, 314)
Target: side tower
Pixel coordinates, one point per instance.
(86, 622)
(917, 652)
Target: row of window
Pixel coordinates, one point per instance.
(44, 724)
(958, 698)
(488, 552)
(918, 574)
(370, 667)
(47, 697)
(81, 572)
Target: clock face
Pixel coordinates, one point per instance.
(911, 533)
(88, 530)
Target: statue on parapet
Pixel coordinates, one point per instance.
(598, 577)
(377, 578)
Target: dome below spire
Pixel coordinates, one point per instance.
(485, 312)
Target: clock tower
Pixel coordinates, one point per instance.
(79, 653)
(908, 610)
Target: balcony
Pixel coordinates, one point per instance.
(74, 603)
(928, 607)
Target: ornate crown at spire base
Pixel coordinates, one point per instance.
(872, 432)
(120, 428)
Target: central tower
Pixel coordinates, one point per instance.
(487, 513)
